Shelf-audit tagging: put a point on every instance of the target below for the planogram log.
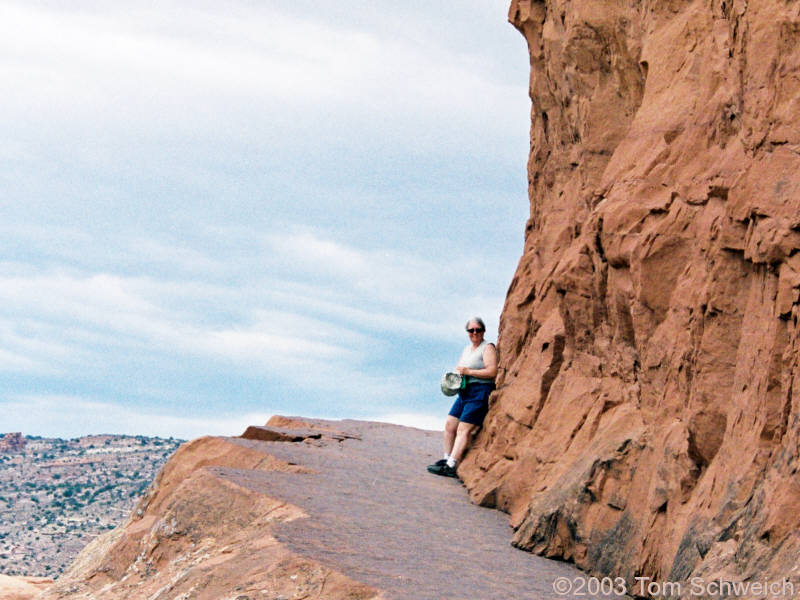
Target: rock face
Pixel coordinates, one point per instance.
(646, 419)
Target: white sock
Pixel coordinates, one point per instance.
(451, 462)
(446, 456)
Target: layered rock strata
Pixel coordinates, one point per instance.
(646, 419)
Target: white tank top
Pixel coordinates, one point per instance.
(473, 359)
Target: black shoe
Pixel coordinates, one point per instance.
(434, 468)
(443, 470)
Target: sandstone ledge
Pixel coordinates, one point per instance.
(351, 513)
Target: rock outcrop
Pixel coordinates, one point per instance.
(198, 534)
(646, 418)
(11, 442)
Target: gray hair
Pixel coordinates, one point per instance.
(477, 320)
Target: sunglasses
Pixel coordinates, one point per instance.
(475, 330)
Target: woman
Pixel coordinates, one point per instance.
(478, 364)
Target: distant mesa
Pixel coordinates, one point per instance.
(57, 494)
(12, 442)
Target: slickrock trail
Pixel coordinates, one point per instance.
(377, 516)
(309, 509)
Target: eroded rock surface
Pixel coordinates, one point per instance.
(646, 419)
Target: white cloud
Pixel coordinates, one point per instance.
(317, 256)
(406, 292)
(173, 257)
(337, 314)
(183, 66)
(30, 347)
(200, 196)
(297, 319)
(118, 311)
(13, 362)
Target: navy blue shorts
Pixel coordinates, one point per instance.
(472, 403)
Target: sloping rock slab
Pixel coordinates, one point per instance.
(333, 519)
(374, 514)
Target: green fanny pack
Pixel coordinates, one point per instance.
(469, 379)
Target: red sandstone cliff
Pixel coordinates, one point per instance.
(646, 421)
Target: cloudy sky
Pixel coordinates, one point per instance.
(212, 215)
